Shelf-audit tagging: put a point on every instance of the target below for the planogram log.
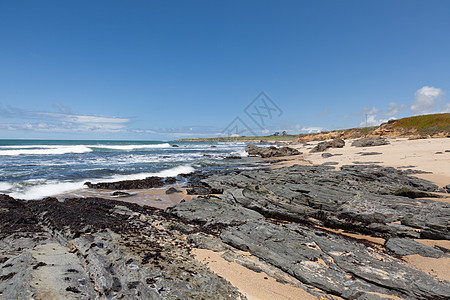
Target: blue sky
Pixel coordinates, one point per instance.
(169, 69)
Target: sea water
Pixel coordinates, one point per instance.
(34, 169)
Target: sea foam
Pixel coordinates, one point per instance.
(44, 150)
(132, 147)
(53, 188)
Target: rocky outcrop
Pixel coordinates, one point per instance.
(98, 249)
(147, 183)
(279, 216)
(370, 142)
(294, 223)
(322, 146)
(271, 151)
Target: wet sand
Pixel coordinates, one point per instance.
(155, 197)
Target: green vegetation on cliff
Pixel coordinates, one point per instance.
(437, 125)
(425, 124)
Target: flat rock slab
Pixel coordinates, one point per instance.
(402, 246)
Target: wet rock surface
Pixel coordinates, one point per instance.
(147, 183)
(271, 151)
(284, 218)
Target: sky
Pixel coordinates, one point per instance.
(162, 70)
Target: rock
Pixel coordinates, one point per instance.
(271, 151)
(281, 217)
(147, 183)
(134, 258)
(120, 194)
(357, 198)
(322, 146)
(203, 190)
(324, 260)
(327, 155)
(405, 192)
(330, 163)
(172, 190)
(447, 188)
(170, 180)
(370, 142)
(402, 246)
(175, 146)
(232, 157)
(369, 153)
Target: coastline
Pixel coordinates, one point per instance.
(210, 230)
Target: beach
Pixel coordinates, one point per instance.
(307, 226)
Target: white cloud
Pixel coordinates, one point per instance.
(312, 129)
(61, 122)
(371, 116)
(394, 109)
(426, 99)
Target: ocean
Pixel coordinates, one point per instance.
(34, 169)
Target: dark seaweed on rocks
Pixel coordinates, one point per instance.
(147, 183)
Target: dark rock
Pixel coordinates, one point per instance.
(330, 163)
(370, 142)
(147, 183)
(405, 192)
(447, 188)
(73, 289)
(439, 152)
(322, 259)
(232, 157)
(170, 180)
(369, 153)
(327, 155)
(172, 190)
(271, 151)
(322, 146)
(203, 190)
(277, 215)
(358, 198)
(120, 194)
(176, 146)
(402, 246)
(100, 272)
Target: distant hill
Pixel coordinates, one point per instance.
(424, 126)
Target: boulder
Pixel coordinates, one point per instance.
(322, 146)
(271, 151)
(172, 190)
(370, 142)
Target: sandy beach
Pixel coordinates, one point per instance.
(429, 155)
